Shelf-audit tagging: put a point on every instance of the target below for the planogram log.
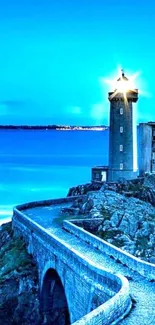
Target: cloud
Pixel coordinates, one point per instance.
(74, 110)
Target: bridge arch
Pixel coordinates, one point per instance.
(54, 304)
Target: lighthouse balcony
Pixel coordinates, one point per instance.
(130, 95)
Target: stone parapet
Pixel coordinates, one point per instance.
(55, 248)
(144, 268)
(34, 204)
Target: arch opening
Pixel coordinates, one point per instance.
(54, 305)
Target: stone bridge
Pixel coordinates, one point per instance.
(82, 279)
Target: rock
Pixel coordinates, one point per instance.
(128, 217)
(145, 230)
(19, 291)
(152, 259)
(83, 189)
(116, 218)
(105, 226)
(109, 187)
(151, 242)
(92, 227)
(95, 214)
(5, 233)
(149, 181)
(87, 206)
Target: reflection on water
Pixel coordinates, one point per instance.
(44, 165)
(21, 185)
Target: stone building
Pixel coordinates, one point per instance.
(121, 143)
(146, 148)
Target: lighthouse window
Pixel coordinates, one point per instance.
(121, 111)
(121, 129)
(97, 175)
(121, 147)
(121, 166)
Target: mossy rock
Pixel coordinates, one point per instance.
(13, 254)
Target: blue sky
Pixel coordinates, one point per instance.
(55, 52)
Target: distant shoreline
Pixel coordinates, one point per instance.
(54, 127)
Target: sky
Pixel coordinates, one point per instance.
(55, 55)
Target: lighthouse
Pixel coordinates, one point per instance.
(122, 153)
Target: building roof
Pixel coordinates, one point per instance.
(151, 123)
(100, 167)
(123, 77)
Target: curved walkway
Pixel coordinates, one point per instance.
(142, 291)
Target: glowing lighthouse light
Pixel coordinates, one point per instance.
(123, 85)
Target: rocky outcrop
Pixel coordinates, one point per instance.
(128, 222)
(83, 189)
(141, 188)
(19, 292)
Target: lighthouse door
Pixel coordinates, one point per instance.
(104, 176)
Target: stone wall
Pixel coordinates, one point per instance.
(144, 148)
(82, 279)
(34, 204)
(144, 268)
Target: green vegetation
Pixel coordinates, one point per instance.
(105, 213)
(7, 227)
(135, 187)
(110, 234)
(13, 254)
(142, 243)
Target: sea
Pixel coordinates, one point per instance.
(44, 164)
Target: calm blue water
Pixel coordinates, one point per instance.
(36, 165)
